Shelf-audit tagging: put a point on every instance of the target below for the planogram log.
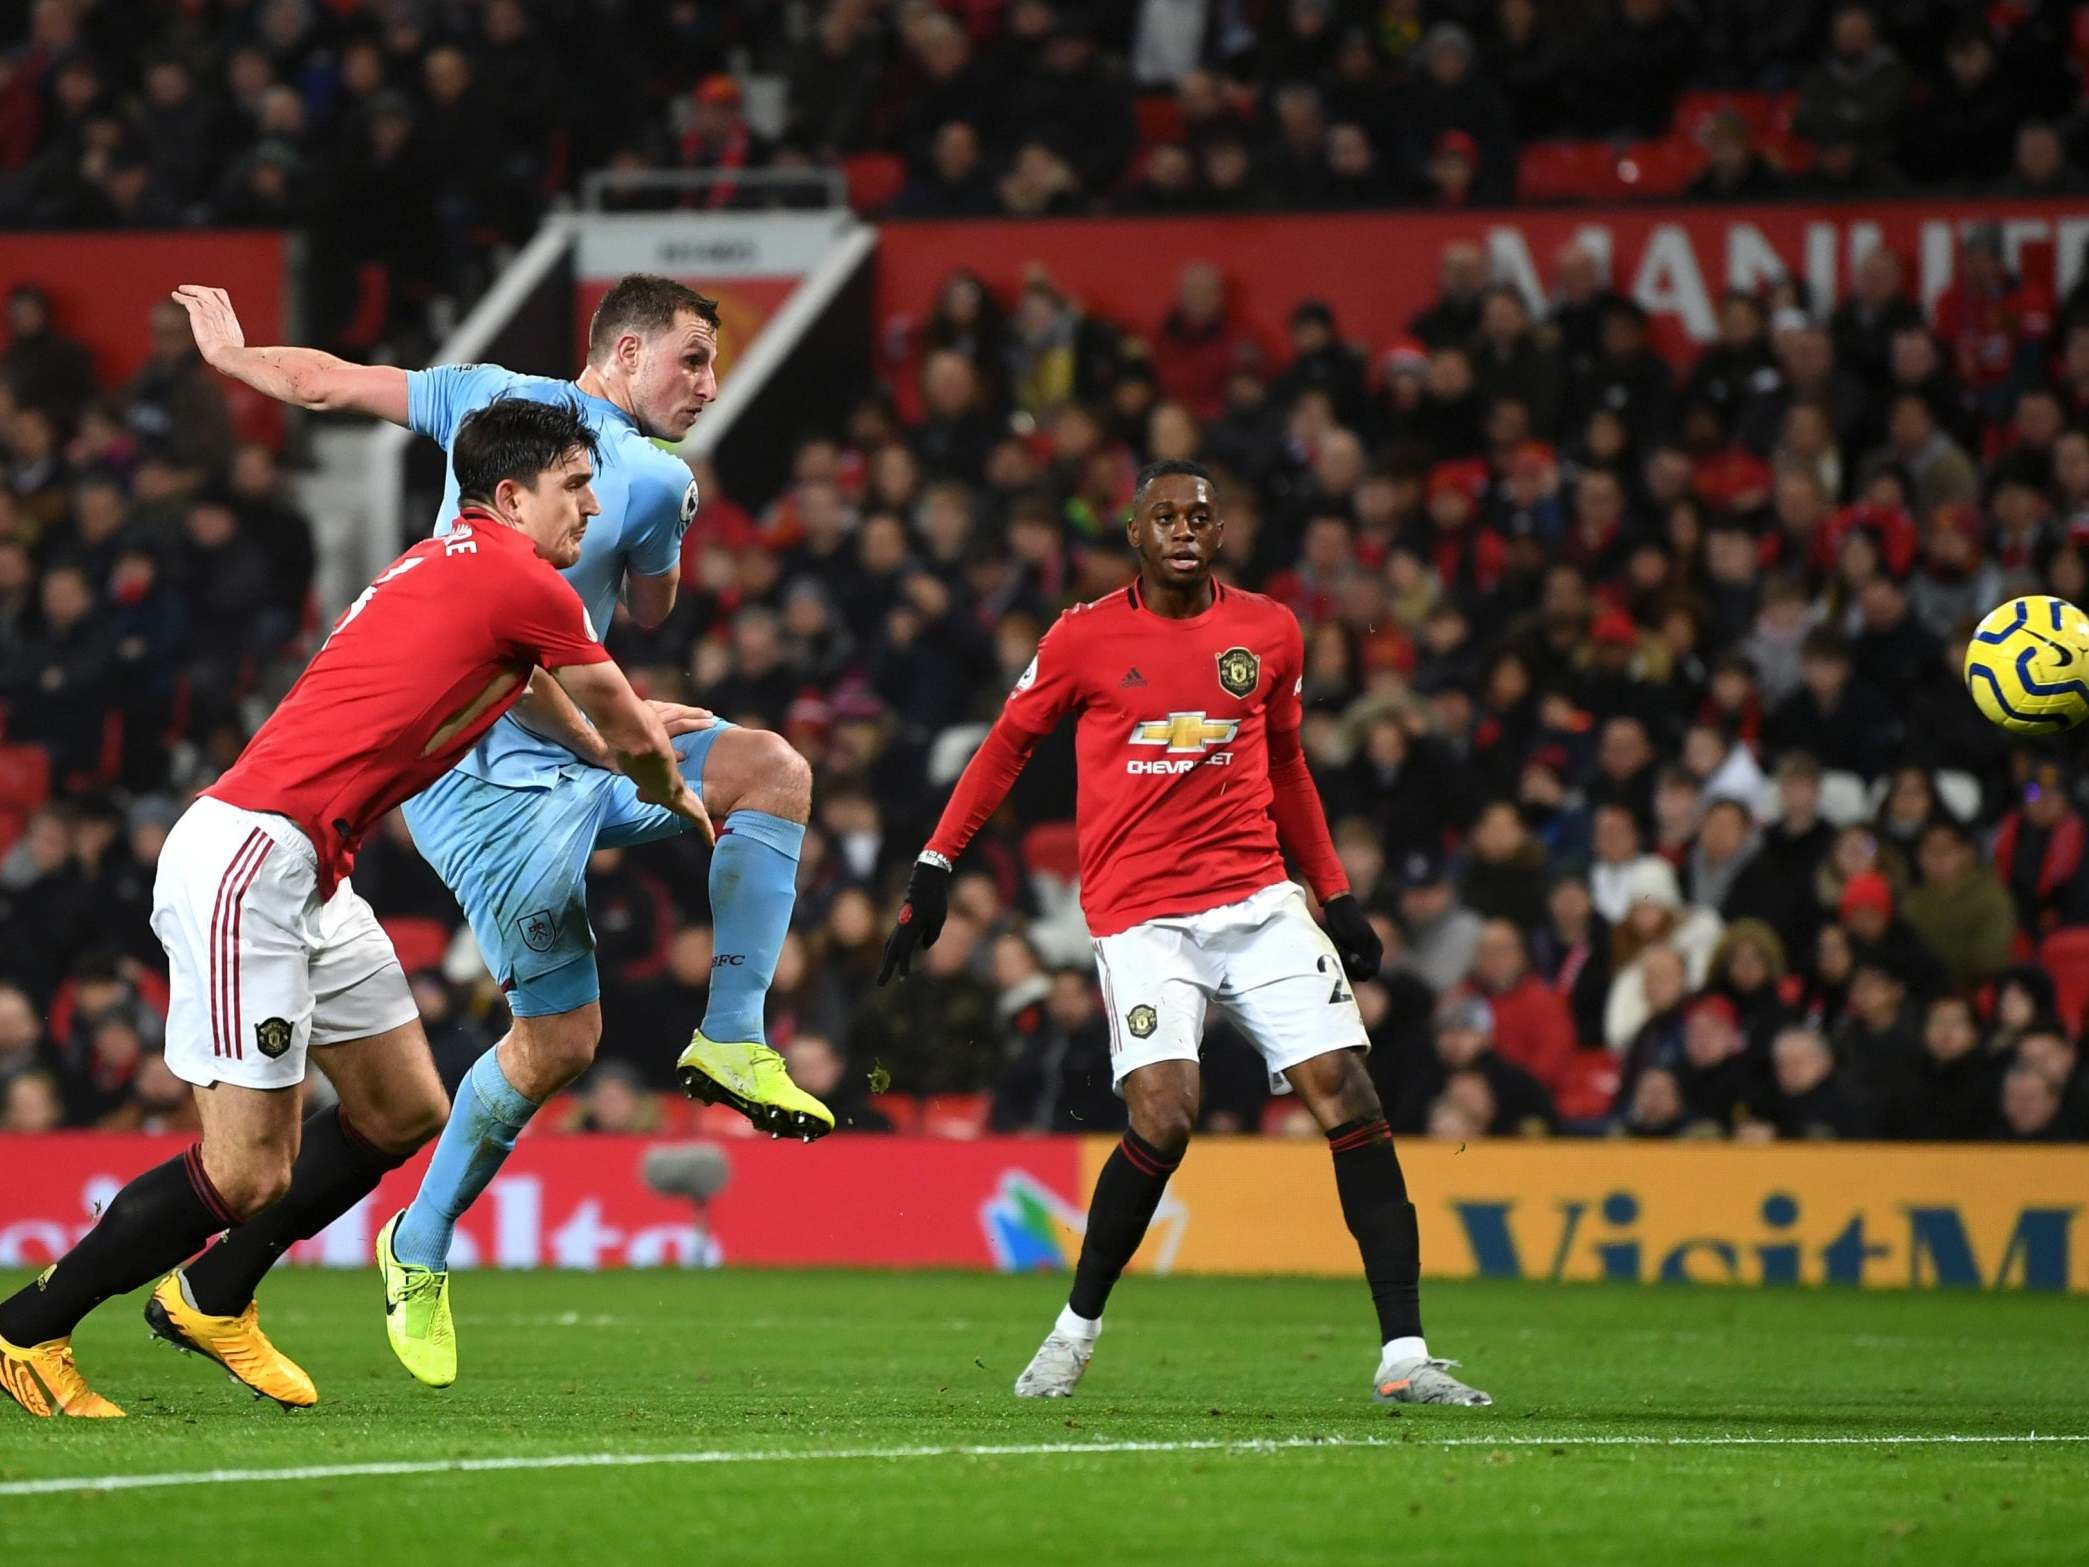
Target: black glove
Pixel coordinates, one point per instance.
(920, 918)
(1350, 930)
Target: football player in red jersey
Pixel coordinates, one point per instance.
(273, 954)
(1190, 775)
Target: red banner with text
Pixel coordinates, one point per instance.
(1378, 270)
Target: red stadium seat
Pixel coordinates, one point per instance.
(2065, 955)
(1051, 849)
(420, 943)
(958, 1116)
(25, 777)
(874, 180)
(902, 1110)
(1660, 168)
(1568, 171)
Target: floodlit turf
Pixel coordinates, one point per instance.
(1607, 1444)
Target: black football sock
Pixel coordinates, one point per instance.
(1126, 1193)
(152, 1225)
(335, 1170)
(1374, 1202)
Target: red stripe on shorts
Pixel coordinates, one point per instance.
(239, 900)
(217, 914)
(222, 1041)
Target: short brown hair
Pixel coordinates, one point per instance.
(646, 304)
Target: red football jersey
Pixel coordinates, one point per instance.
(416, 670)
(1177, 723)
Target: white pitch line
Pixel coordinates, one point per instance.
(138, 1482)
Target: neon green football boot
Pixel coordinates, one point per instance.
(754, 1081)
(417, 1313)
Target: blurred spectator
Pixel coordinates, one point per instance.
(1531, 1023)
(1722, 1086)
(1961, 910)
(1059, 1079)
(2041, 167)
(2049, 1050)
(1949, 1090)
(1450, 95)
(2038, 851)
(1197, 347)
(41, 365)
(1734, 170)
(1861, 89)
(955, 183)
(1635, 67)
(1454, 317)
(1471, 1089)
(1441, 933)
(30, 1102)
(1993, 322)
(936, 1033)
(612, 1099)
(1654, 919)
(819, 1067)
(1965, 132)
(1810, 1100)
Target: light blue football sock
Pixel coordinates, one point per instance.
(488, 1115)
(754, 883)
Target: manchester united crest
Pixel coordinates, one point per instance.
(1240, 671)
(272, 1036)
(1141, 1020)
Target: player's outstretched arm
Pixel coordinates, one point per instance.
(981, 788)
(1302, 829)
(308, 377)
(545, 709)
(636, 738)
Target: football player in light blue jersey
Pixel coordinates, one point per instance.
(511, 827)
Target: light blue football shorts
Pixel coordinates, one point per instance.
(516, 860)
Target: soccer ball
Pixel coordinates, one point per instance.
(2027, 666)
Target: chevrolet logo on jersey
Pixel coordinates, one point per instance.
(1187, 737)
(1185, 732)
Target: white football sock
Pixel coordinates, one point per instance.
(1400, 1350)
(1075, 1326)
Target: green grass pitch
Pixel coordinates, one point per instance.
(821, 1417)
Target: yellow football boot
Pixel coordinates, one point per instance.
(236, 1343)
(417, 1313)
(753, 1080)
(44, 1381)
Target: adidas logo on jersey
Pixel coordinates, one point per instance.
(1132, 677)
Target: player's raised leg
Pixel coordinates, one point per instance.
(236, 1170)
(391, 1101)
(1162, 1099)
(1375, 1205)
(759, 791)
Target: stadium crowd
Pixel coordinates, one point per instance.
(412, 140)
(1633, 689)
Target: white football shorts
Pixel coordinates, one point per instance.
(1263, 960)
(261, 969)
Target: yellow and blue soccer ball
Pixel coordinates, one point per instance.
(2027, 665)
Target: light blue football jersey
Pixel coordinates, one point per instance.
(647, 498)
